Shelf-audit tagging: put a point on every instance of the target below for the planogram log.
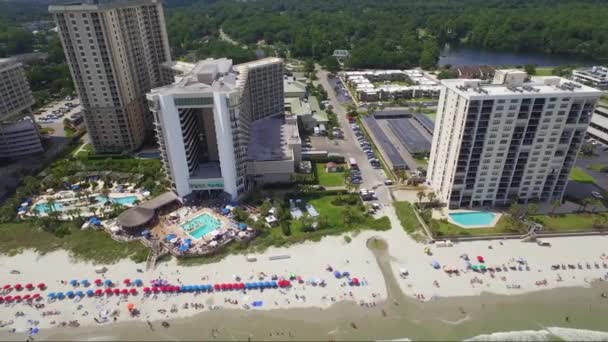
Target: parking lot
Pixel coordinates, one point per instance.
(52, 115)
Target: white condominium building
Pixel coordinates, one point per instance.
(222, 128)
(598, 128)
(114, 49)
(510, 140)
(596, 76)
(19, 135)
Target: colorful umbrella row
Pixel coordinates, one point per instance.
(28, 286)
(91, 293)
(27, 297)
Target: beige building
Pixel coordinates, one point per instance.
(512, 140)
(221, 127)
(114, 50)
(19, 135)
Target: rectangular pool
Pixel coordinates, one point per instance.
(120, 200)
(43, 208)
(201, 225)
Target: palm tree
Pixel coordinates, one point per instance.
(555, 205)
(420, 196)
(432, 197)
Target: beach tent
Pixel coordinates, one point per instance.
(480, 258)
(98, 282)
(84, 282)
(18, 287)
(155, 289)
(127, 281)
(108, 291)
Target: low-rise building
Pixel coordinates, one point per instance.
(598, 128)
(596, 76)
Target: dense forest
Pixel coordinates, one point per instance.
(379, 33)
(387, 33)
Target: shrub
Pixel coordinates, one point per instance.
(347, 238)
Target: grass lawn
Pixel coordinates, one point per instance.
(335, 216)
(46, 130)
(597, 167)
(88, 245)
(544, 71)
(422, 161)
(566, 222)
(329, 179)
(579, 175)
(84, 151)
(406, 216)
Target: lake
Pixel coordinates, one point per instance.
(474, 56)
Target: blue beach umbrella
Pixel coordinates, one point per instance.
(337, 274)
(70, 294)
(51, 295)
(60, 295)
(345, 274)
(80, 293)
(274, 284)
(108, 282)
(73, 282)
(90, 293)
(84, 282)
(138, 282)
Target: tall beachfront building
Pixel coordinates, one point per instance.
(514, 139)
(114, 49)
(221, 127)
(19, 135)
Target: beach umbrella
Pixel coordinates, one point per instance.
(480, 258)
(124, 291)
(80, 293)
(274, 284)
(73, 282)
(41, 286)
(138, 282)
(155, 289)
(17, 298)
(60, 295)
(108, 291)
(146, 290)
(70, 294)
(337, 274)
(116, 291)
(126, 281)
(217, 286)
(133, 291)
(26, 297)
(6, 287)
(51, 295)
(98, 282)
(85, 283)
(8, 298)
(98, 292)
(18, 286)
(29, 286)
(345, 274)
(130, 306)
(90, 293)
(108, 282)
(175, 288)
(36, 296)
(1, 299)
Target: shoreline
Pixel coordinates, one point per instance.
(378, 270)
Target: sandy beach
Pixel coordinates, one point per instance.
(307, 260)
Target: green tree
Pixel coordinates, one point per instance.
(421, 195)
(430, 54)
(530, 69)
(447, 74)
(330, 63)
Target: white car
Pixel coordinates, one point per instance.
(597, 195)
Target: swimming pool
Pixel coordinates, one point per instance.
(43, 208)
(120, 200)
(473, 218)
(201, 225)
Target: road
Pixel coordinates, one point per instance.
(349, 147)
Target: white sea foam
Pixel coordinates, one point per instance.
(523, 335)
(568, 334)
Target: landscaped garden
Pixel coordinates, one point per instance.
(330, 178)
(579, 175)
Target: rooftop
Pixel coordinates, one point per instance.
(512, 83)
(271, 138)
(298, 107)
(318, 113)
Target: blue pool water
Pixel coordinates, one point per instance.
(45, 207)
(473, 218)
(119, 200)
(201, 225)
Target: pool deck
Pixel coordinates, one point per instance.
(445, 215)
(175, 228)
(69, 200)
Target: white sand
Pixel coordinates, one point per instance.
(307, 260)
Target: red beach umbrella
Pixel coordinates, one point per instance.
(17, 298)
(216, 286)
(1, 299)
(98, 282)
(98, 292)
(36, 295)
(7, 287)
(8, 298)
(155, 289)
(29, 286)
(116, 291)
(27, 296)
(41, 286)
(108, 291)
(146, 290)
(126, 281)
(133, 291)
(175, 288)
(124, 291)
(18, 286)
